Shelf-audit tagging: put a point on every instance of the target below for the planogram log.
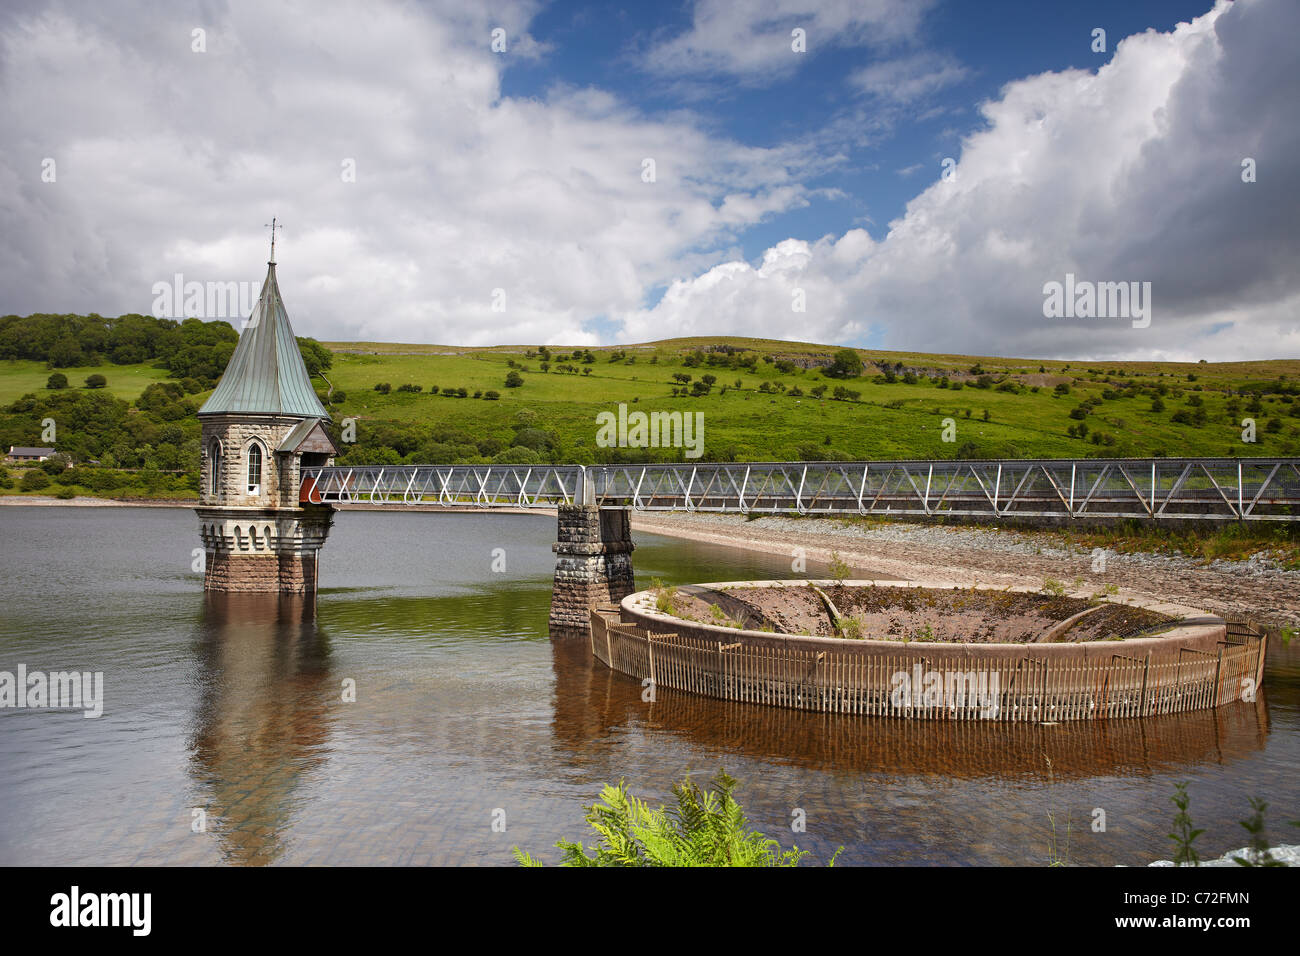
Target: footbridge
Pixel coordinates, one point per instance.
(1213, 489)
(594, 502)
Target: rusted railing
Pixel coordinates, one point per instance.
(918, 684)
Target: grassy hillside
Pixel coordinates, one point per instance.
(139, 435)
(20, 376)
(886, 420)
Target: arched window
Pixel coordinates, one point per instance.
(254, 469)
(214, 455)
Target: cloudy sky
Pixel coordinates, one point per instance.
(914, 175)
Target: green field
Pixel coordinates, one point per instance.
(887, 421)
(18, 377)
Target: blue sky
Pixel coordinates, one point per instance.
(995, 42)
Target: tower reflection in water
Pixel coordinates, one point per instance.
(262, 719)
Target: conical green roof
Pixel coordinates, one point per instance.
(266, 374)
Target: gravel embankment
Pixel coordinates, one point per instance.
(1252, 589)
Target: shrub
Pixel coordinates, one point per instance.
(838, 568)
(846, 363)
(533, 438)
(103, 479)
(514, 380)
(383, 388)
(703, 829)
(57, 380)
(96, 381)
(34, 480)
(491, 395)
(56, 464)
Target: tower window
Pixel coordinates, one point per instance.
(254, 469)
(214, 455)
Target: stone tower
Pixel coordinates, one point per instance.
(261, 426)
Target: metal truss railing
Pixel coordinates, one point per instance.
(485, 486)
(1254, 489)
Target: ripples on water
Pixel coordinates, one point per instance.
(234, 705)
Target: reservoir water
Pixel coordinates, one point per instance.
(226, 738)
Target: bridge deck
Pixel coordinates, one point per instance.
(1230, 489)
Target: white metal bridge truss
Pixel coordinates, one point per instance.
(1228, 489)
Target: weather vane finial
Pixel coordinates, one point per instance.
(272, 226)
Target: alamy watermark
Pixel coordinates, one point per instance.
(58, 690)
(653, 430)
(949, 689)
(128, 910)
(179, 299)
(1085, 299)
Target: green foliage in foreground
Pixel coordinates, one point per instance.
(1258, 850)
(703, 829)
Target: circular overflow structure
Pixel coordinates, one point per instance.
(936, 650)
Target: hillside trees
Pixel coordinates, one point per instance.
(844, 364)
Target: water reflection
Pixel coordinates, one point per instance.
(261, 720)
(232, 703)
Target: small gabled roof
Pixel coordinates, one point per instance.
(24, 452)
(309, 435)
(266, 374)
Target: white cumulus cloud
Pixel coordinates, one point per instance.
(1132, 173)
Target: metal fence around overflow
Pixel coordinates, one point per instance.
(1219, 489)
(867, 681)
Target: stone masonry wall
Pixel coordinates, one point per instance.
(236, 432)
(286, 573)
(262, 542)
(593, 564)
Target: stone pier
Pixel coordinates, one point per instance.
(593, 564)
